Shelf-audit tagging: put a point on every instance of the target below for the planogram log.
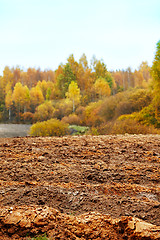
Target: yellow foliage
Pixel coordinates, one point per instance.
(72, 119)
(91, 114)
(44, 111)
(73, 94)
(36, 96)
(52, 127)
(45, 86)
(21, 95)
(8, 99)
(132, 126)
(102, 87)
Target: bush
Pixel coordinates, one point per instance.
(109, 106)
(147, 116)
(78, 130)
(126, 125)
(131, 126)
(72, 119)
(125, 103)
(52, 127)
(91, 114)
(93, 131)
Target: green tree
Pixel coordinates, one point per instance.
(73, 94)
(100, 71)
(155, 71)
(63, 80)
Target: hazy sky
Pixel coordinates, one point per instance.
(43, 33)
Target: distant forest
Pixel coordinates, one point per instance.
(79, 93)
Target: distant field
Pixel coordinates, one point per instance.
(14, 130)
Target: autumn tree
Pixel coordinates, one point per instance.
(145, 70)
(49, 75)
(73, 94)
(1, 91)
(138, 78)
(7, 77)
(102, 88)
(36, 97)
(100, 71)
(47, 89)
(16, 74)
(83, 61)
(24, 78)
(44, 111)
(21, 98)
(58, 71)
(85, 77)
(73, 64)
(8, 99)
(26, 98)
(85, 80)
(31, 73)
(130, 78)
(43, 86)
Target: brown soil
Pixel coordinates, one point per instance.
(76, 176)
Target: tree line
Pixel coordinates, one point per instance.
(36, 95)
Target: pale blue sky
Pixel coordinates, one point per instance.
(43, 33)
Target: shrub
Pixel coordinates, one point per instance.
(147, 116)
(52, 127)
(109, 105)
(131, 126)
(126, 125)
(125, 103)
(91, 114)
(72, 119)
(104, 129)
(78, 130)
(93, 131)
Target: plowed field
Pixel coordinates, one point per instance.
(113, 175)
